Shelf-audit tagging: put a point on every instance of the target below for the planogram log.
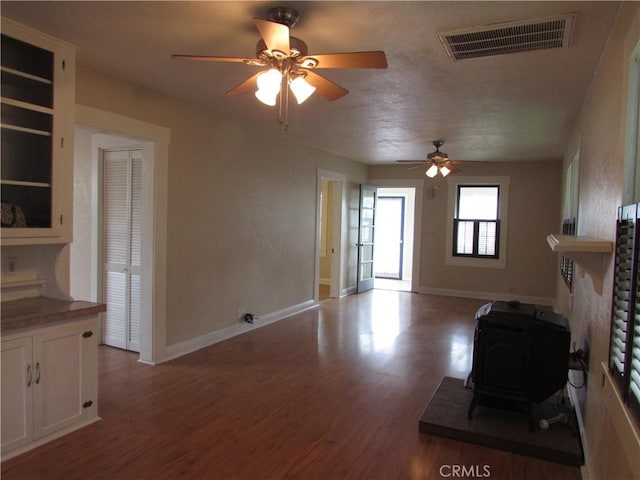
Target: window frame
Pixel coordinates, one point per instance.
(484, 261)
(476, 225)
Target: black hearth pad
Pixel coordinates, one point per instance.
(499, 428)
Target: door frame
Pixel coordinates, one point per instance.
(418, 186)
(403, 201)
(155, 141)
(337, 229)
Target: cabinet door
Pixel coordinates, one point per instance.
(58, 373)
(17, 388)
(38, 80)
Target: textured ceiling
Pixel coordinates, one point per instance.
(502, 108)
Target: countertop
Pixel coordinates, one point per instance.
(40, 311)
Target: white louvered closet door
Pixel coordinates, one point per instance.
(122, 218)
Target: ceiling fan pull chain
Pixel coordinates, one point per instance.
(286, 107)
(280, 100)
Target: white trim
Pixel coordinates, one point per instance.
(153, 325)
(489, 296)
(586, 469)
(452, 187)
(622, 422)
(348, 291)
(193, 344)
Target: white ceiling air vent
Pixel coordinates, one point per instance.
(512, 37)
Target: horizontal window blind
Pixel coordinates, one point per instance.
(634, 357)
(476, 238)
(487, 238)
(566, 264)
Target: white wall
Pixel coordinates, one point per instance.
(611, 441)
(534, 212)
(241, 211)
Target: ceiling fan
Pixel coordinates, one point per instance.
(287, 61)
(436, 161)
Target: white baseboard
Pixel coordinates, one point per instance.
(487, 295)
(348, 291)
(188, 346)
(585, 470)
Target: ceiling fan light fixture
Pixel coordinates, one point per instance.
(287, 58)
(270, 81)
(301, 89)
(267, 98)
(444, 170)
(432, 171)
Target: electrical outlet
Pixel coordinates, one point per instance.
(10, 266)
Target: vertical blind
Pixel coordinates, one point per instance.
(624, 351)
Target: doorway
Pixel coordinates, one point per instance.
(394, 241)
(328, 278)
(99, 130)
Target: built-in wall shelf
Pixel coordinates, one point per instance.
(578, 244)
(590, 253)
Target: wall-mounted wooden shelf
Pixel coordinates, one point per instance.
(36, 282)
(578, 244)
(581, 249)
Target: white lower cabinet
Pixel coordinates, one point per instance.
(49, 383)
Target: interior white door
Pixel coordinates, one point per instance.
(121, 227)
(366, 230)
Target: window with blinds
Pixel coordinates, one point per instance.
(476, 225)
(624, 351)
(566, 264)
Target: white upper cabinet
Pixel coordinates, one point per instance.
(38, 103)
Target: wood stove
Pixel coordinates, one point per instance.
(521, 354)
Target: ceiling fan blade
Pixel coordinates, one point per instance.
(465, 162)
(209, 58)
(324, 87)
(250, 84)
(375, 59)
(275, 35)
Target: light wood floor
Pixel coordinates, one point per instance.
(335, 392)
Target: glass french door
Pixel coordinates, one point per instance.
(366, 231)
